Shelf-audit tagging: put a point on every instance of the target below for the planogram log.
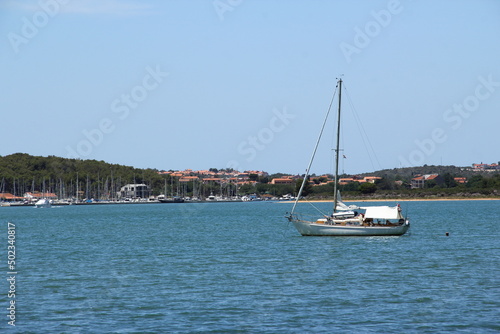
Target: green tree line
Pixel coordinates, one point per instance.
(20, 173)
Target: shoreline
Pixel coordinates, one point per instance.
(397, 200)
(400, 200)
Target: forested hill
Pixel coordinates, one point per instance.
(25, 172)
(20, 173)
(409, 172)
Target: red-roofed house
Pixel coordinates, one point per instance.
(212, 179)
(9, 197)
(370, 179)
(188, 178)
(38, 195)
(282, 181)
(419, 181)
(485, 167)
(346, 180)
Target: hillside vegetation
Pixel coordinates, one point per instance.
(20, 173)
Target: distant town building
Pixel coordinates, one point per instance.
(9, 197)
(258, 172)
(369, 179)
(420, 180)
(134, 191)
(188, 179)
(38, 195)
(212, 179)
(485, 167)
(282, 181)
(322, 180)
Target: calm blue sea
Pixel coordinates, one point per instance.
(242, 268)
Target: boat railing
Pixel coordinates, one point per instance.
(302, 217)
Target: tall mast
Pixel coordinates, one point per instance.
(313, 154)
(337, 150)
(77, 183)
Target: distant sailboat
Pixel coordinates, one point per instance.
(43, 203)
(171, 200)
(348, 220)
(174, 199)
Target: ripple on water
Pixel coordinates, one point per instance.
(240, 267)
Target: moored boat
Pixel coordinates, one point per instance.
(375, 221)
(171, 200)
(347, 220)
(43, 203)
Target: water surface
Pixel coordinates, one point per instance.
(241, 267)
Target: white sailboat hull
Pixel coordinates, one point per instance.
(314, 229)
(43, 203)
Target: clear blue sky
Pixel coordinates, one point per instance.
(246, 84)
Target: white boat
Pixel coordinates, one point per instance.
(348, 220)
(375, 221)
(43, 203)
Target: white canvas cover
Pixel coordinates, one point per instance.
(382, 212)
(341, 206)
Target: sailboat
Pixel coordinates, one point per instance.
(43, 202)
(174, 199)
(348, 220)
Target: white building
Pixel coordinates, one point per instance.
(135, 191)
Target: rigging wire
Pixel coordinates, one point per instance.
(317, 209)
(314, 151)
(364, 135)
